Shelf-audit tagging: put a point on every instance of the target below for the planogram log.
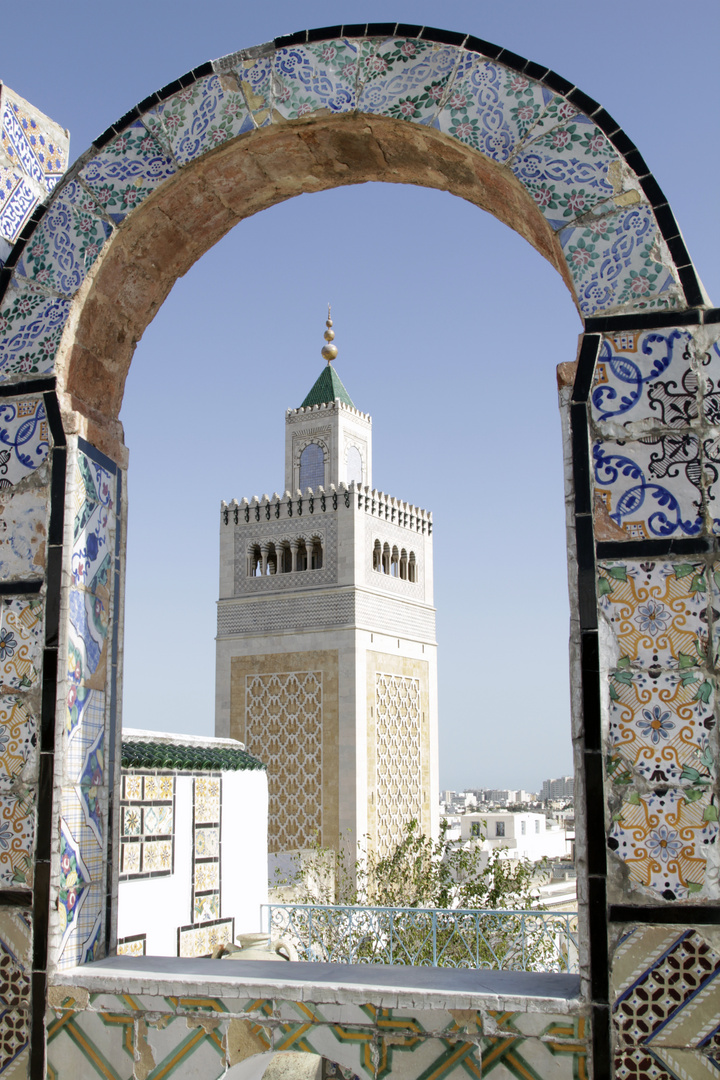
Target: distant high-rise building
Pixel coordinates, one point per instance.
(560, 788)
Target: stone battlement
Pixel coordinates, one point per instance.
(327, 406)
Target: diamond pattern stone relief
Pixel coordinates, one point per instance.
(399, 756)
(284, 719)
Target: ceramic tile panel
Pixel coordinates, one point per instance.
(207, 842)
(132, 946)
(157, 787)
(32, 141)
(657, 612)
(85, 827)
(206, 907)
(207, 799)
(23, 534)
(646, 378)
(127, 170)
(661, 725)
(147, 826)
(31, 325)
(187, 1052)
(14, 1044)
(18, 199)
(24, 439)
(312, 77)
(255, 77)
(507, 1058)
(91, 1045)
(491, 108)
(67, 241)
(81, 737)
(406, 78)
(21, 641)
(664, 1063)
(95, 491)
(565, 170)
(15, 957)
(201, 116)
(81, 902)
(17, 838)
(18, 743)
(202, 940)
(664, 838)
(618, 259)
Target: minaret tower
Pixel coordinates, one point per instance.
(326, 652)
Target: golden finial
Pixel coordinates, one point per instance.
(329, 351)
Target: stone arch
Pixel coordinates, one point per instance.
(154, 192)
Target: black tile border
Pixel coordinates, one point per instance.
(675, 915)
(658, 549)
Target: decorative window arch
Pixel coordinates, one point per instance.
(377, 557)
(354, 469)
(312, 467)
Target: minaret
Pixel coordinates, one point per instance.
(326, 652)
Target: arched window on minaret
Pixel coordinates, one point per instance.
(377, 557)
(386, 559)
(403, 564)
(354, 465)
(395, 563)
(272, 560)
(284, 559)
(317, 554)
(254, 561)
(412, 567)
(312, 467)
(302, 556)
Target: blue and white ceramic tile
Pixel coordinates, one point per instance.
(23, 535)
(311, 77)
(32, 141)
(18, 199)
(94, 525)
(406, 78)
(80, 903)
(125, 171)
(651, 489)
(199, 117)
(490, 107)
(31, 325)
(649, 376)
(84, 734)
(17, 838)
(256, 80)
(67, 241)
(708, 349)
(86, 834)
(565, 170)
(613, 259)
(557, 112)
(18, 743)
(92, 789)
(21, 641)
(24, 438)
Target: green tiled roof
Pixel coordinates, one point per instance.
(159, 755)
(328, 387)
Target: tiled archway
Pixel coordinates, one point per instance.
(337, 106)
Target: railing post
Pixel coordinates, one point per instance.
(434, 929)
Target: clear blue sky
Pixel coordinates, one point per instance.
(449, 328)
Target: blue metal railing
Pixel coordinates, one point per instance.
(431, 937)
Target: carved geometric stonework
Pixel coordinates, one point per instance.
(399, 756)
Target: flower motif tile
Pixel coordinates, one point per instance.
(17, 837)
(81, 737)
(653, 487)
(24, 439)
(202, 940)
(313, 77)
(67, 241)
(207, 842)
(31, 325)
(91, 789)
(15, 957)
(200, 117)
(491, 108)
(255, 77)
(206, 907)
(618, 258)
(664, 838)
(665, 985)
(32, 141)
(715, 612)
(157, 855)
(86, 833)
(74, 882)
(156, 787)
(207, 800)
(94, 524)
(18, 199)
(158, 820)
(18, 743)
(646, 377)
(565, 170)
(21, 626)
(207, 876)
(127, 170)
(657, 612)
(406, 78)
(661, 725)
(23, 535)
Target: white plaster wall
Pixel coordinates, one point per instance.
(244, 863)
(157, 906)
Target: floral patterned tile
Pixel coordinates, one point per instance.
(199, 117)
(646, 376)
(618, 259)
(17, 838)
(18, 743)
(18, 199)
(24, 439)
(87, 652)
(565, 170)
(33, 141)
(94, 524)
(21, 626)
(491, 108)
(660, 725)
(23, 533)
(406, 78)
(664, 838)
(31, 325)
(89, 724)
(651, 488)
(715, 611)
(124, 172)
(85, 825)
(67, 241)
(657, 612)
(255, 77)
(312, 77)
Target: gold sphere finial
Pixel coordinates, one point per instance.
(329, 352)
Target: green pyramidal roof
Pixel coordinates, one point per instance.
(328, 387)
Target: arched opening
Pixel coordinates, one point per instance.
(312, 467)
(354, 466)
(377, 557)
(395, 562)
(316, 558)
(302, 555)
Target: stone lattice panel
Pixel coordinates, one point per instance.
(399, 756)
(284, 720)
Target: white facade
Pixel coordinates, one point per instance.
(326, 650)
(524, 835)
(193, 846)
